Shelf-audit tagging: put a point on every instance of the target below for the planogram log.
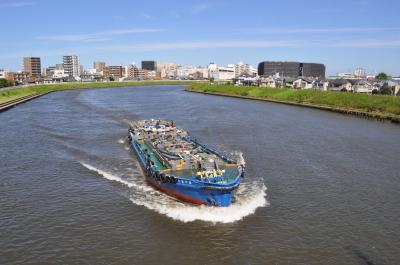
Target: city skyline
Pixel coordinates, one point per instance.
(342, 35)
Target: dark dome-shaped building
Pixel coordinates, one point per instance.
(291, 69)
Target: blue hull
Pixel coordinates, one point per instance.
(189, 189)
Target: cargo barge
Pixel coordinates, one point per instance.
(183, 168)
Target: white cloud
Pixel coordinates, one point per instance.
(146, 16)
(265, 31)
(366, 43)
(200, 8)
(101, 36)
(17, 4)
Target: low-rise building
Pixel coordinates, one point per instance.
(271, 81)
(364, 86)
(91, 75)
(191, 73)
(59, 66)
(397, 89)
(113, 71)
(49, 71)
(21, 77)
(134, 72)
(346, 76)
(226, 73)
(3, 74)
(340, 85)
(247, 81)
(303, 83)
(99, 66)
(230, 72)
(394, 85)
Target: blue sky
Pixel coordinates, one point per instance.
(341, 34)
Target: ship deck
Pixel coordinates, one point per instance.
(231, 169)
(153, 156)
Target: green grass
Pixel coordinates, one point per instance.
(374, 104)
(21, 92)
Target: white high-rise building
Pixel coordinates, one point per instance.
(242, 69)
(166, 70)
(221, 73)
(359, 73)
(213, 71)
(71, 65)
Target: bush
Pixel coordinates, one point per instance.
(382, 76)
(5, 83)
(386, 90)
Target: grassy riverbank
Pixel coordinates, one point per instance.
(371, 104)
(16, 93)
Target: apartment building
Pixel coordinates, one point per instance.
(32, 65)
(71, 65)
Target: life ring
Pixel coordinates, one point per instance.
(168, 179)
(162, 177)
(211, 202)
(173, 180)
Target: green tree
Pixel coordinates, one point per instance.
(386, 90)
(382, 76)
(5, 83)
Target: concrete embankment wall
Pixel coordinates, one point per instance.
(12, 103)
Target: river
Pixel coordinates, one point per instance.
(321, 187)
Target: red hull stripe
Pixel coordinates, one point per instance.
(175, 194)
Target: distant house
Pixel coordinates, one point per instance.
(303, 83)
(320, 84)
(270, 81)
(289, 82)
(397, 89)
(340, 85)
(363, 86)
(247, 81)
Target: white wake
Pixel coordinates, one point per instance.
(112, 177)
(238, 157)
(250, 196)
